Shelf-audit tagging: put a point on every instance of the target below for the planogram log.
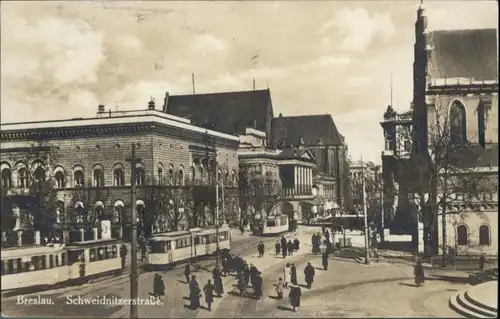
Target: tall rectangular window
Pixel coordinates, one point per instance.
(481, 125)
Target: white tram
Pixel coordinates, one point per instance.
(93, 258)
(274, 225)
(38, 266)
(173, 247)
(24, 267)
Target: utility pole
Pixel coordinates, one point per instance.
(217, 213)
(365, 216)
(133, 272)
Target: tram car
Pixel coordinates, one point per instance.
(275, 225)
(168, 249)
(93, 258)
(43, 266)
(32, 266)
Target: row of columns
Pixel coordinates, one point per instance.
(303, 180)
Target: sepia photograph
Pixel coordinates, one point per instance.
(249, 159)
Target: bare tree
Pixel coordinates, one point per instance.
(168, 208)
(257, 193)
(439, 173)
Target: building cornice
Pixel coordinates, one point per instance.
(47, 133)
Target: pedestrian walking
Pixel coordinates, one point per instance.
(242, 229)
(293, 275)
(187, 272)
(218, 286)
(295, 295)
(277, 247)
(309, 275)
(258, 285)
(225, 266)
(209, 294)
(242, 286)
(296, 244)
(216, 272)
(279, 288)
(419, 273)
(123, 255)
(482, 261)
(194, 293)
(158, 287)
(324, 259)
(283, 246)
(142, 245)
(261, 247)
(286, 275)
(246, 273)
(253, 274)
(289, 246)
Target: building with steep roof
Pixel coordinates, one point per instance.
(227, 112)
(455, 112)
(319, 134)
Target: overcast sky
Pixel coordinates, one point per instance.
(62, 59)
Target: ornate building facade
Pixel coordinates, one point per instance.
(456, 114)
(86, 164)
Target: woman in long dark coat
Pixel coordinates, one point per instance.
(209, 294)
(194, 293)
(309, 275)
(277, 247)
(293, 275)
(218, 286)
(324, 259)
(158, 287)
(419, 273)
(295, 295)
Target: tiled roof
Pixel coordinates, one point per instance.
(464, 54)
(311, 129)
(228, 112)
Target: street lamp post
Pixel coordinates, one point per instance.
(133, 272)
(365, 216)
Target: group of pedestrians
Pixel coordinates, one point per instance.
(287, 247)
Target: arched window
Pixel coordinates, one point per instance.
(118, 212)
(6, 177)
(39, 174)
(484, 235)
(140, 175)
(98, 176)
(140, 208)
(99, 211)
(180, 177)
(22, 178)
(118, 175)
(170, 176)
(78, 177)
(462, 235)
(160, 174)
(59, 177)
(458, 124)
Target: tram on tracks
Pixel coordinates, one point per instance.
(28, 267)
(275, 225)
(168, 249)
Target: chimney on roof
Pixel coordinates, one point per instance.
(165, 102)
(151, 104)
(281, 115)
(254, 84)
(100, 110)
(109, 112)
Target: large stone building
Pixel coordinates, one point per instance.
(455, 113)
(319, 134)
(277, 181)
(86, 160)
(234, 112)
